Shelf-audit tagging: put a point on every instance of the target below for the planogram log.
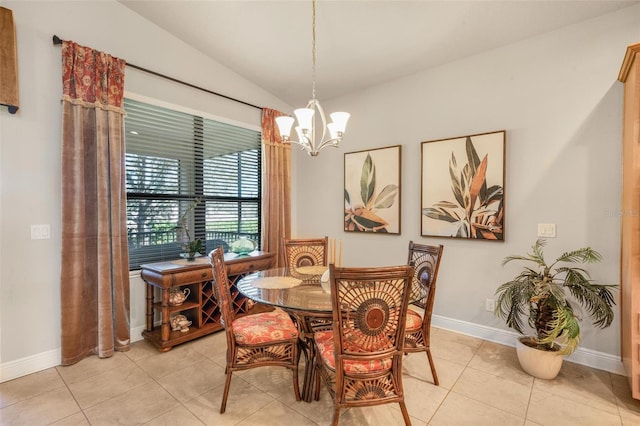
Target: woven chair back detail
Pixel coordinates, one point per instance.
(221, 287)
(372, 303)
(372, 315)
(425, 260)
(305, 252)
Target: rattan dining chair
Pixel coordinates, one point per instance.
(305, 252)
(258, 340)
(360, 360)
(425, 260)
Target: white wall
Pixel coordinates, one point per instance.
(30, 172)
(556, 96)
(559, 101)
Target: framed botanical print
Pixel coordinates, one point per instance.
(462, 187)
(372, 190)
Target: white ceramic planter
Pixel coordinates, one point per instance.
(538, 363)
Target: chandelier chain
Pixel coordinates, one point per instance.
(313, 50)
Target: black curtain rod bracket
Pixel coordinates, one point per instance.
(57, 40)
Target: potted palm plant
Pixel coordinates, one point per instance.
(544, 295)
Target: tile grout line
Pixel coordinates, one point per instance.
(526, 412)
(72, 396)
(180, 403)
(618, 400)
(449, 391)
(524, 419)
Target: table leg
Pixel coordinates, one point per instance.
(310, 356)
(149, 314)
(164, 313)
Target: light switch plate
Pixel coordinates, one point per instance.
(40, 232)
(547, 230)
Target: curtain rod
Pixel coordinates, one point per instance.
(57, 40)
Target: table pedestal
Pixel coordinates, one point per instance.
(309, 323)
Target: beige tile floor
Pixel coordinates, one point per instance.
(480, 384)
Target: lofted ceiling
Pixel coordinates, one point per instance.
(359, 43)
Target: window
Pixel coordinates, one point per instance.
(180, 165)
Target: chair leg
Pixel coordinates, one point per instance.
(433, 368)
(227, 384)
(336, 416)
(405, 413)
(296, 385)
(316, 383)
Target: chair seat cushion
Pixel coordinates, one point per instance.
(414, 320)
(326, 349)
(264, 328)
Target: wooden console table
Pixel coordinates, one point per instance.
(201, 307)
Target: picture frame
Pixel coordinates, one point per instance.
(372, 190)
(462, 187)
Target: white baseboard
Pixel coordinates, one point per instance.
(136, 333)
(588, 357)
(31, 364)
(600, 360)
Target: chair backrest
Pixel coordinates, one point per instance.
(425, 260)
(369, 310)
(221, 289)
(305, 252)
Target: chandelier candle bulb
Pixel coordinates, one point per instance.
(339, 121)
(284, 124)
(305, 118)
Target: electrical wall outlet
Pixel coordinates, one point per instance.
(490, 304)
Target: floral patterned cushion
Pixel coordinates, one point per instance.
(414, 320)
(326, 349)
(264, 328)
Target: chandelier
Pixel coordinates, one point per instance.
(307, 128)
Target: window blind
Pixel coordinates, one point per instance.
(183, 169)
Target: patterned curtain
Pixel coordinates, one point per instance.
(94, 281)
(276, 193)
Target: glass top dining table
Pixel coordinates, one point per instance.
(296, 289)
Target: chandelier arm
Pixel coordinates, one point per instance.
(305, 142)
(302, 145)
(323, 118)
(314, 151)
(328, 142)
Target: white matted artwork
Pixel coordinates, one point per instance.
(463, 187)
(372, 190)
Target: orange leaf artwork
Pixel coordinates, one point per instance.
(476, 207)
(369, 198)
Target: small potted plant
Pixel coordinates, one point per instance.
(543, 296)
(191, 247)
